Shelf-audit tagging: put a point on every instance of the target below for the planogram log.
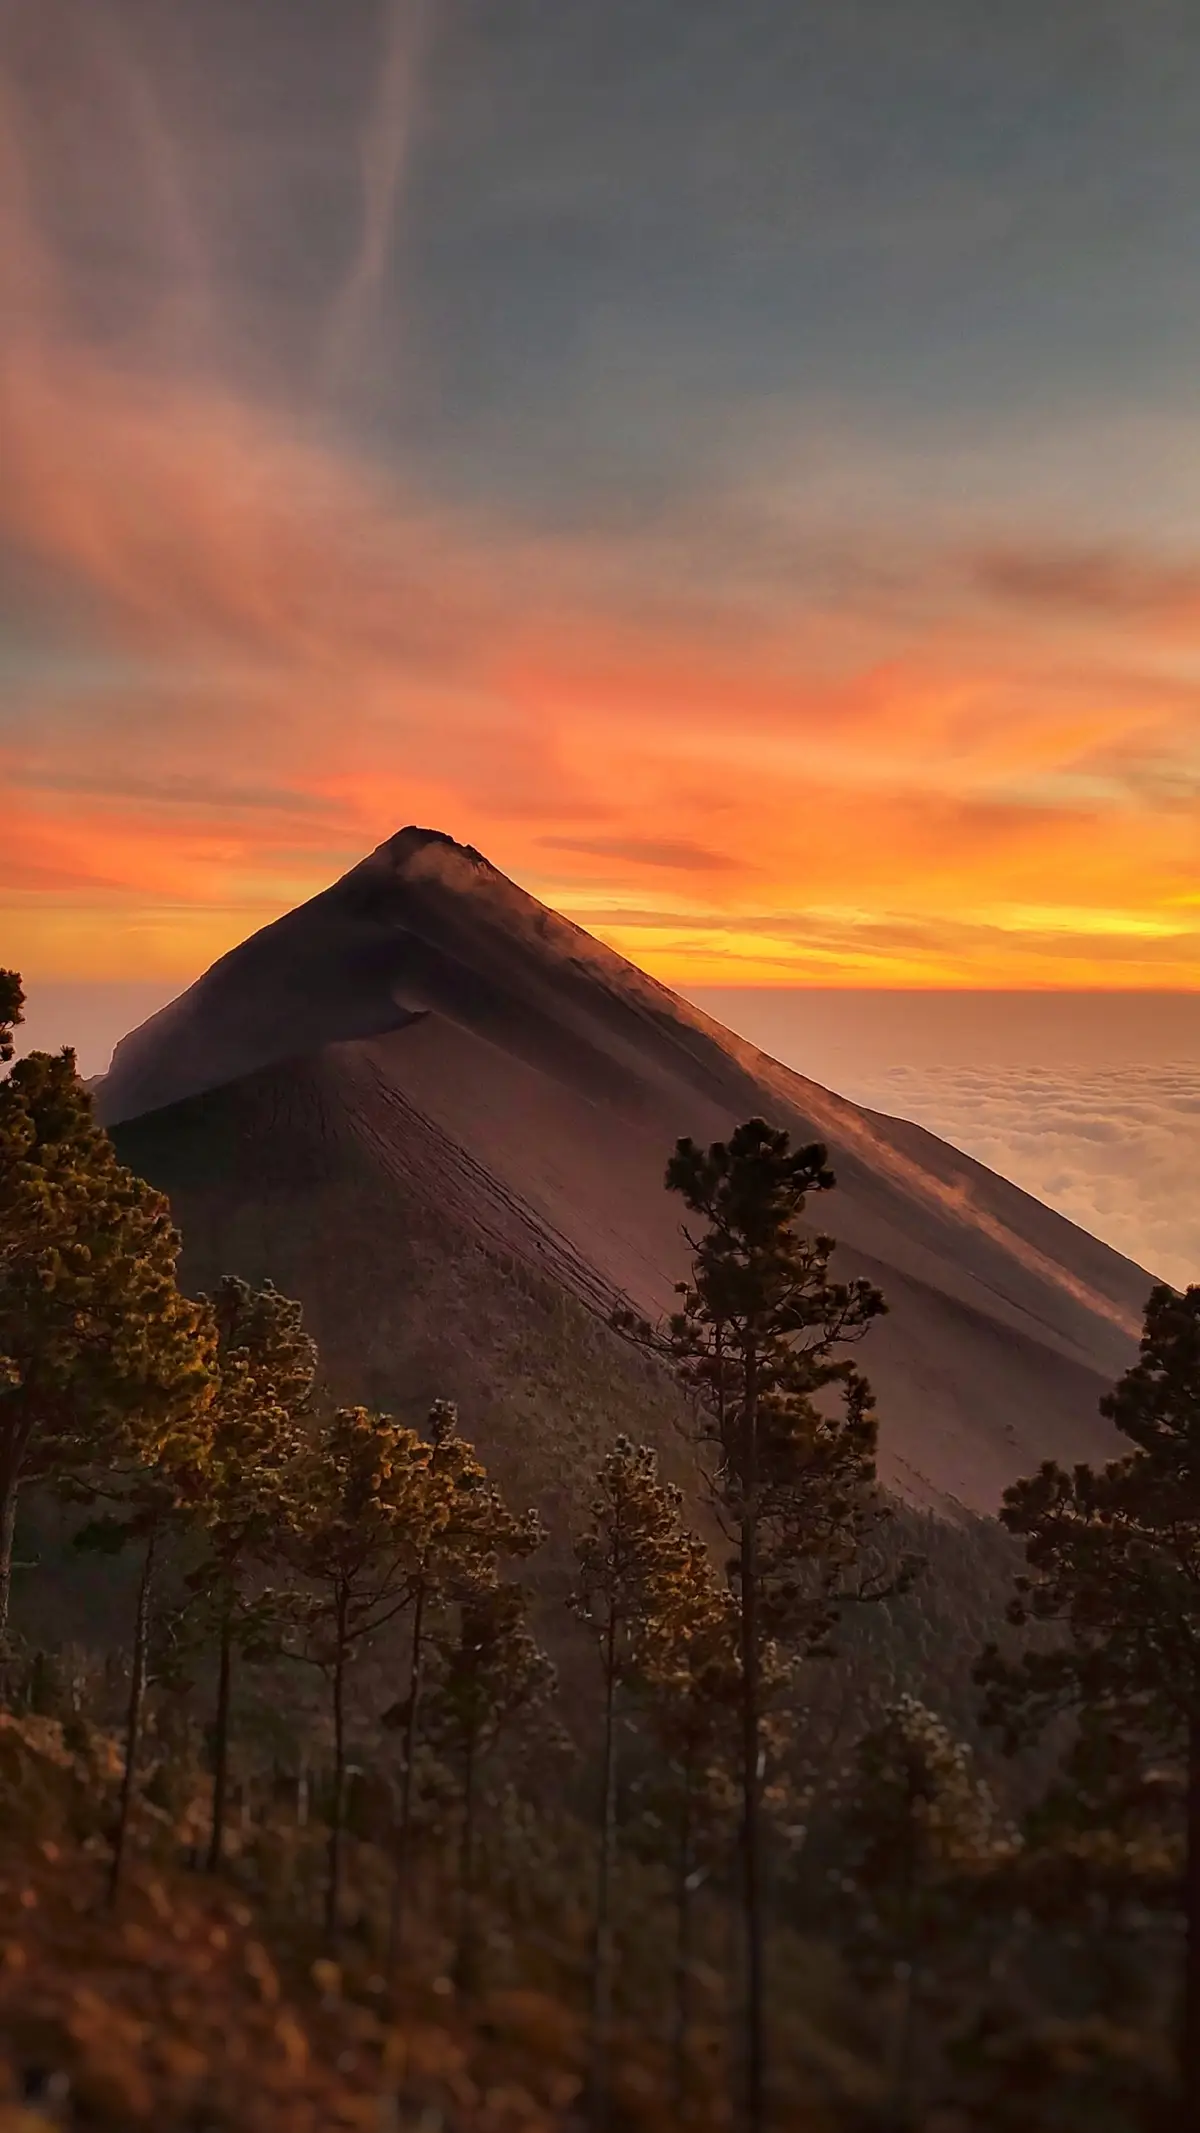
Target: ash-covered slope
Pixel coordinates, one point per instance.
(425, 1052)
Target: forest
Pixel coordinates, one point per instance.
(336, 1791)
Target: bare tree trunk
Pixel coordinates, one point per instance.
(754, 2037)
(736, 2074)
(8, 1531)
(13, 1448)
(133, 1718)
(602, 1946)
(464, 1955)
(681, 2025)
(416, 1674)
(337, 1812)
(905, 2023)
(1189, 2042)
(221, 1737)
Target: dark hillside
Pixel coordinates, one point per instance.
(421, 1278)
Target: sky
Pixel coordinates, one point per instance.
(737, 463)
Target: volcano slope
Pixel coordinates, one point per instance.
(440, 1115)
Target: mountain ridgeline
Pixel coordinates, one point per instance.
(438, 1114)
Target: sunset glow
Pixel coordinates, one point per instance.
(818, 715)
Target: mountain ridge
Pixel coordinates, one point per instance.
(426, 1003)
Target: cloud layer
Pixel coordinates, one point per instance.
(1117, 1150)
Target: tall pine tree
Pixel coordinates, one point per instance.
(362, 1507)
(921, 1836)
(95, 1336)
(687, 1686)
(1113, 1561)
(466, 1529)
(489, 1672)
(632, 1557)
(760, 1337)
(143, 1481)
(266, 1370)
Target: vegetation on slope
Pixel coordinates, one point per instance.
(798, 1833)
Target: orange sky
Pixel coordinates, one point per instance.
(743, 741)
(286, 658)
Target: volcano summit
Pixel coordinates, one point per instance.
(440, 1115)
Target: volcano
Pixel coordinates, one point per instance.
(440, 1114)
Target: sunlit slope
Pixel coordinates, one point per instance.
(424, 1048)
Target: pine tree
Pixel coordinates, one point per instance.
(489, 1671)
(12, 1012)
(758, 1337)
(688, 1689)
(921, 1834)
(1072, 2026)
(147, 1480)
(1082, 1920)
(1113, 1560)
(632, 1558)
(466, 1529)
(362, 1507)
(94, 1333)
(266, 1370)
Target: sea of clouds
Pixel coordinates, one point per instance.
(1115, 1148)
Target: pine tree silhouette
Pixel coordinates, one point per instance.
(95, 1337)
(1113, 1558)
(759, 1336)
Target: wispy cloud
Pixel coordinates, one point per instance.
(384, 151)
(676, 855)
(221, 796)
(1115, 585)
